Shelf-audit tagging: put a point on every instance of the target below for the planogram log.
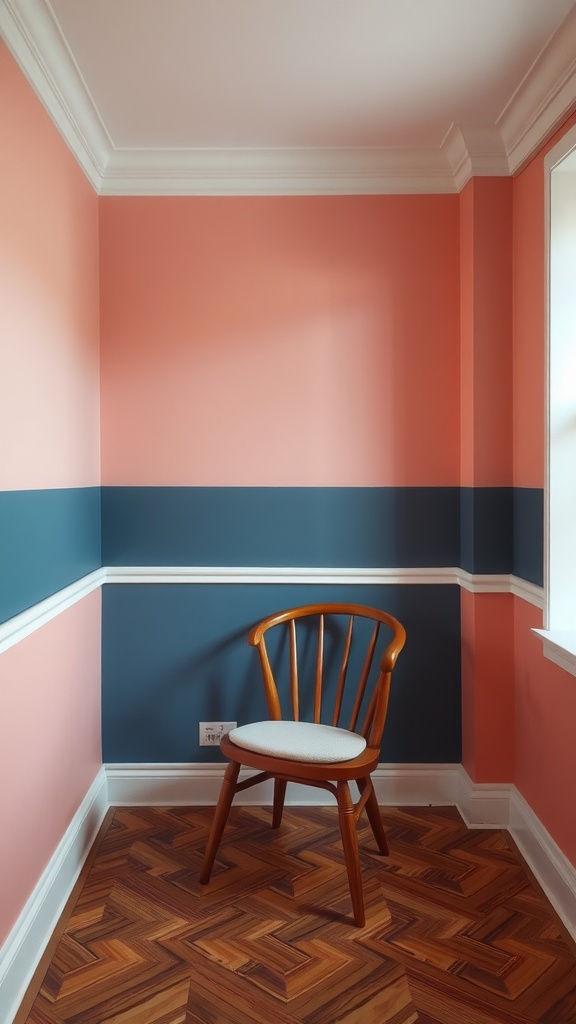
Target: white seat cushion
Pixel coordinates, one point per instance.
(299, 741)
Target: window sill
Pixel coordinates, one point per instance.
(559, 647)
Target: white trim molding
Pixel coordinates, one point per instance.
(527, 591)
(437, 576)
(483, 805)
(479, 584)
(475, 152)
(542, 100)
(33, 36)
(283, 172)
(23, 949)
(22, 625)
(199, 785)
(281, 574)
(493, 805)
(559, 634)
(552, 869)
(560, 647)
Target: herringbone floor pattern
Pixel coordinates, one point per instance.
(456, 932)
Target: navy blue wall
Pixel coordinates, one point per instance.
(502, 531)
(485, 530)
(176, 654)
(528, 532)
(281, 526)
(48, 539)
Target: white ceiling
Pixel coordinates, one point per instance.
(297, 95)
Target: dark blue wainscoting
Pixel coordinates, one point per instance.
(48, 539)
(487, 539)
(483, 529)
(176, 654)
(529, 534)
(502, 531)
(281, 526)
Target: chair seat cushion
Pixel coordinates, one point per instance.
(299, 741)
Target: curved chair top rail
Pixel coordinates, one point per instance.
(371, 698)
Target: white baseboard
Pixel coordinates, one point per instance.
(168, 785)
(199, 785)
(483, 805)
(553, 870)
(23, 949)
(403, 785)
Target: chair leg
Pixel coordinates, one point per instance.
(279, 794)
(374, 816)
(350, 844)
(220, 818)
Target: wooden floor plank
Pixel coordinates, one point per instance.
(456, 930)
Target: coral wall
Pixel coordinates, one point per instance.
(545, 695)
(280, 341)
(49, 744)
(486, 460)
(280, 387)
(49, 424)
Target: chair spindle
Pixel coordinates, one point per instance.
(319, 671)
(364, 677)
(343, 672)
(294, 671)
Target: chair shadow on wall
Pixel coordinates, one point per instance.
(161, 725)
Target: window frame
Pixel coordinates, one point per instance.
(559, 638)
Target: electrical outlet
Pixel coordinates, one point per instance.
(212, 732)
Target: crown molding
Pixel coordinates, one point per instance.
(544, 98)
(313, 171)
(474, 151)
(32, 35)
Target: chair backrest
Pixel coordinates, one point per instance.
(330, 663)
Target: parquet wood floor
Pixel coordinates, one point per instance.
(456, 932)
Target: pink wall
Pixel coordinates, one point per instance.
(239, 332)
(529, 326)
(486, 332)
(518, 708)
(49, 425)
(545, 717)
(49, 744)
(486, 461)
(545, 695)
(488, 699)
(49, 395)
(467, 335)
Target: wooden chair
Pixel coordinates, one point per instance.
(336, 664)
